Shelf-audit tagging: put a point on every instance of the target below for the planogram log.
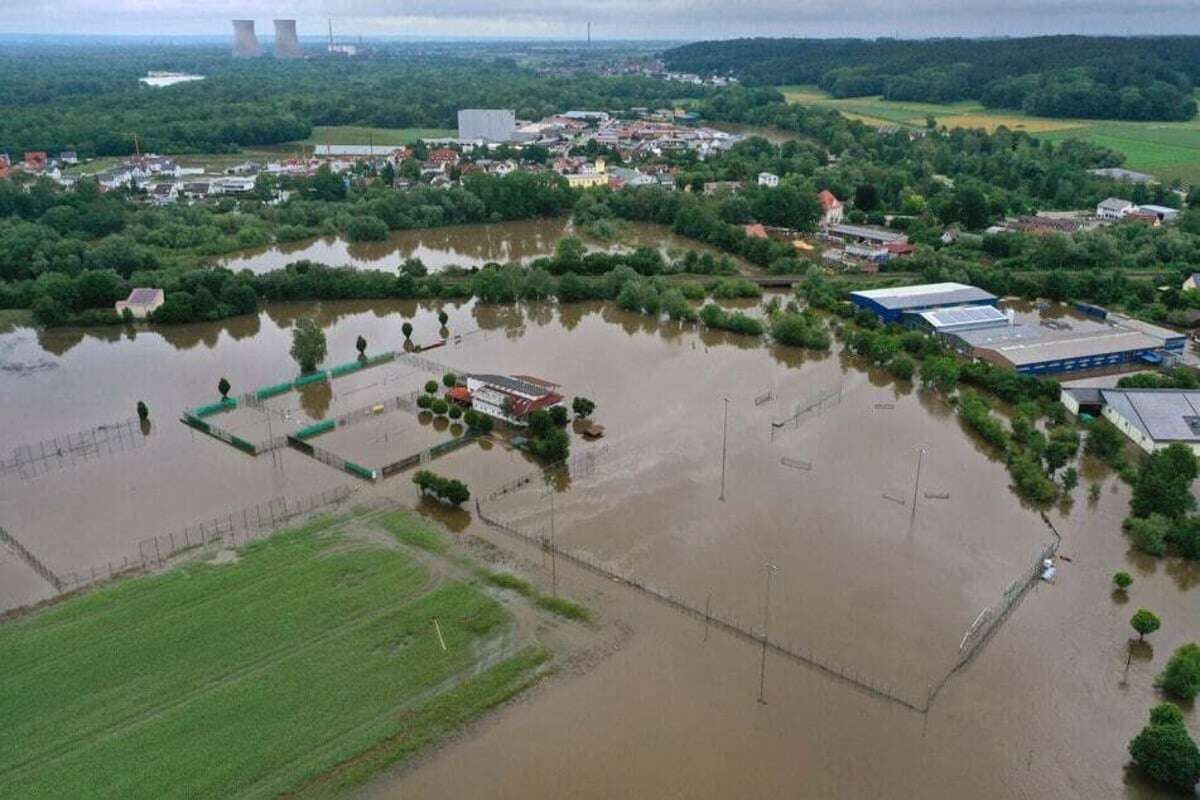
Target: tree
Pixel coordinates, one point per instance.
(1104, 441)
(553, 445)
(143, 411)
(407, 330)
(308, 344)
(454, 411)
(361, 346)
(1122, 580)
(558, 415)
(443, 318)
(866, 197)
(1164, 483)
(1165, 751)
(1181, 678)
(1145, 622)
(223, 387)
(439, 406)
(1150, 533)
(431, 387)
(450, 380)
(582, 407)
(941, 372)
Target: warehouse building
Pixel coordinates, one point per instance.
(890, 305)
(487, 124)
(1155, 418)
(959, 319)
(1104, 348)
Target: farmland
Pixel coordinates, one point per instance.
(354, 134)
(1168, 150)
(301, 663)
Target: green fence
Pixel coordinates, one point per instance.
(315, 429)
(347, 368)
(224, 404)
(361, 472)
(315, 377)
(271, 391)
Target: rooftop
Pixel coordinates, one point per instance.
(868, 232)
(964, 315)
(144, 296)
(924, 295)
(1165, 415)
(1022, 353)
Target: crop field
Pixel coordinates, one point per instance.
(352, 134)
(1168, 150)
(301, 664)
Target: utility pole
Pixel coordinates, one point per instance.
(724, 446)
(762, 670)
(553, 556)
(917, 483)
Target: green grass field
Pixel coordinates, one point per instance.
(303, 667)
(351, 134)
(1168, 150)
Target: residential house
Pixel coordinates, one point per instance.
(1113, 208)
(768, 179)
(164, 194)
(755, 231)
(832, 212)
(444, 158)
(68, 157)
(233, 185)
(511, 398)
(35, 160)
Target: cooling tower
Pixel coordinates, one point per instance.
(287, 45)
(245, 44)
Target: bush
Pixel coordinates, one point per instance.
(439, 406)
(450, 380)
(454, 411)
(431, 387)
(558, 415)
(1165, 751)
(1122, 580)
(797, 330)
(552, 445)
(1181, 678)
(424, 401)
(582, 407)
(448, 490)
(902, 367)
(1149, 534)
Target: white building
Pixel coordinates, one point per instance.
(487, 124)
(1155, 418)
(141, 302)
(832, 212)
(511, 398)
(1113, 208)
(767, 179)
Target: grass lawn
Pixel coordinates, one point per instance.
(303, 667)
(1168, 150)
(352, 134)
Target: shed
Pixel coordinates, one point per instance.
(142, 302)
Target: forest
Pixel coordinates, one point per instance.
(1051, 76)
(88, 99)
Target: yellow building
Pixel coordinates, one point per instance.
(592, 176)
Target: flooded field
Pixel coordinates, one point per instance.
(862, 579)
(458, 245)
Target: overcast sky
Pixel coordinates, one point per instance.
(611, 19)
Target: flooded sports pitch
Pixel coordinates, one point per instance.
(883, 527)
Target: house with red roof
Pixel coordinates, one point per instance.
(511, 398)
(831, 208)
(444, 158)
(755, 231)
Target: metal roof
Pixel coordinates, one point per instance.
(144, 296)
(950, 318)
(866, 232)
(512, 384)
(926, 295)
(1165, 415)
(1092, 344)
(991, 337)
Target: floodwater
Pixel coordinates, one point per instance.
(1045, 710)
(458, 246)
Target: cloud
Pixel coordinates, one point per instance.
(614, 19)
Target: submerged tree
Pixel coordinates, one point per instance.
(407, 330)
(1145, 622)
(1165, 750)
(361, 346)
(143, 411)
(223, 387)
(308, 344)
(582, 407)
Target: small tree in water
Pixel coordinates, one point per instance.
(361, 347)
(1122, 580)
(308, 344)
(443, 318)
(143, 411)
(1165, 750)
(582, 407)
(1145, 622)
(407, 330)
(223, 387)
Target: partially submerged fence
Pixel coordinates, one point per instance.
(232, 529)
(816, 403)
(73, 449)
(332, 459)
(31, 560)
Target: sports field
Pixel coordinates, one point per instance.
(1168, 150)
(302, 664)
(353, 134)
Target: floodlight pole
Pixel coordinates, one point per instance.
(724, 446)
(762, 670)
(917, 483)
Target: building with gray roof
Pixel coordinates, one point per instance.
(890, 305)
(1155, 418)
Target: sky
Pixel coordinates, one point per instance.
(611, 19)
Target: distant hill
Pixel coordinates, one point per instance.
(1135, 78)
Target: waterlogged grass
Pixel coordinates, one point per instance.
(13, 318)
(411, 530)
(556, 605)
(1168, 150)
(303, 666)
(353, 134)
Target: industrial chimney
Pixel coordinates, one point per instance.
(245, 43)
(287, 45)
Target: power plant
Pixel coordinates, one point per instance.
(287, 45)
(245, 43)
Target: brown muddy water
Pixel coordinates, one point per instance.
(1045, 710)
(458, 245)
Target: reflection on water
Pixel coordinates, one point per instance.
(457, 245)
